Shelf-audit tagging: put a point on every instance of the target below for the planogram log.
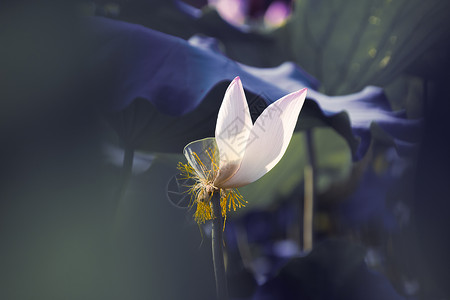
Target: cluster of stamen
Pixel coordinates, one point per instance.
(202, 189)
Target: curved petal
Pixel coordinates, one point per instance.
(232, 129)
(268, 139)
(202, 156)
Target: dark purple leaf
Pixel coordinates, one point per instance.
(333, 270)
(175, 76)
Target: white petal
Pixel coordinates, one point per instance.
(269, 139)
(201, 155)
(232, 129)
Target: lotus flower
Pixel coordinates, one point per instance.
(241, 152)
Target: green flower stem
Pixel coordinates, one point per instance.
(217, 248)
(310, 193)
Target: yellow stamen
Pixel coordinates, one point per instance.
(201, 189)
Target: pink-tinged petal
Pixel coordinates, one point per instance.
(268, 139)
(276, 14)
(232, 129)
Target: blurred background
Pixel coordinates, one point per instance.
(91, 135)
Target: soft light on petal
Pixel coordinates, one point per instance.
(202, 155)
(232, 129)
(269, 139)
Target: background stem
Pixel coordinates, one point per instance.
(217, 248)
(125, 176)
(310, 193)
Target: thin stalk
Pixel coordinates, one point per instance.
(310, 193)
(217, 248)
(125, 176)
